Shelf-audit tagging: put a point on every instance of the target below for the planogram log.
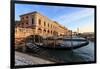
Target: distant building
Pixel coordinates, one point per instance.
(36, 24)
(75, 33)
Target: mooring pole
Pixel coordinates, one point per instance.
(39, 39)
(34, 35)
(24, 47)
(71, 41)
(78, 33)
(47, 41)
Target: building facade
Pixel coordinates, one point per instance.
(36, 24)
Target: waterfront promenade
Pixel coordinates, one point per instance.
(25, 59)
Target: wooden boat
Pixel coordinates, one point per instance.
(66, 44)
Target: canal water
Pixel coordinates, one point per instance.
(85, 53)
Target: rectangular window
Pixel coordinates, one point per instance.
(32, 21)
(26, 16)
(22, 24)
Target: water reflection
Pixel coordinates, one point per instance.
(85, 53)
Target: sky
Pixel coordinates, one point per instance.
(70, 17)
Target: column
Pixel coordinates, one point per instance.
(36, 22)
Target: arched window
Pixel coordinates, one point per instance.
(39, 30)
(48, 31)
(51, 32)
(44, 23)
(44, 30)
(48, 24)
(39, 22)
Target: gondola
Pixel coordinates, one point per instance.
(61, 46)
